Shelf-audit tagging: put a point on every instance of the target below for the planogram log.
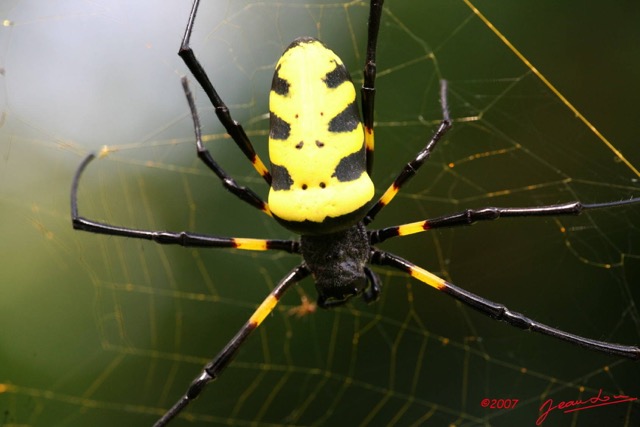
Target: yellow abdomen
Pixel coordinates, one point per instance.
(316, 142)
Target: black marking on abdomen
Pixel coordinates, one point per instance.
(281, 178)
(279, 129)
(279, 85)
(347, 120)
(301, 40)
(336, 77)
(351, 167)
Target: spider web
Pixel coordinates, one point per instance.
(100, 330)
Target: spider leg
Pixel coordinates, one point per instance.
(215, 367)
(412, 167)
(233, 128)
(181, 238)
(499, 311)
(368, 91)
(229, 183)
(471, 216)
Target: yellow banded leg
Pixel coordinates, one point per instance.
(369, 146)
(411, 168)
(368, 90)
(490, 213)
(233, 128)
(227, 181)
(215, 367)
(383, 234)
(259, 166)
(182, 238)
(498, 311)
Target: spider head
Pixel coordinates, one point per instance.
(337, 262)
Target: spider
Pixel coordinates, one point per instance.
(321, 157)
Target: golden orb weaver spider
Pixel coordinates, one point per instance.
(322, 155)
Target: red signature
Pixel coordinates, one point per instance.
(579, 405)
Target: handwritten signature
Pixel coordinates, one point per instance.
(579, 405)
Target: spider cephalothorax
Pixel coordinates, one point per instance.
(338, 264)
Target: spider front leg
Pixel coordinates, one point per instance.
(233, 128)
(411, 168)
(471, 216)
(368, 90)
(215, 367)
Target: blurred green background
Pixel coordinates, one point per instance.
(99, 330)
